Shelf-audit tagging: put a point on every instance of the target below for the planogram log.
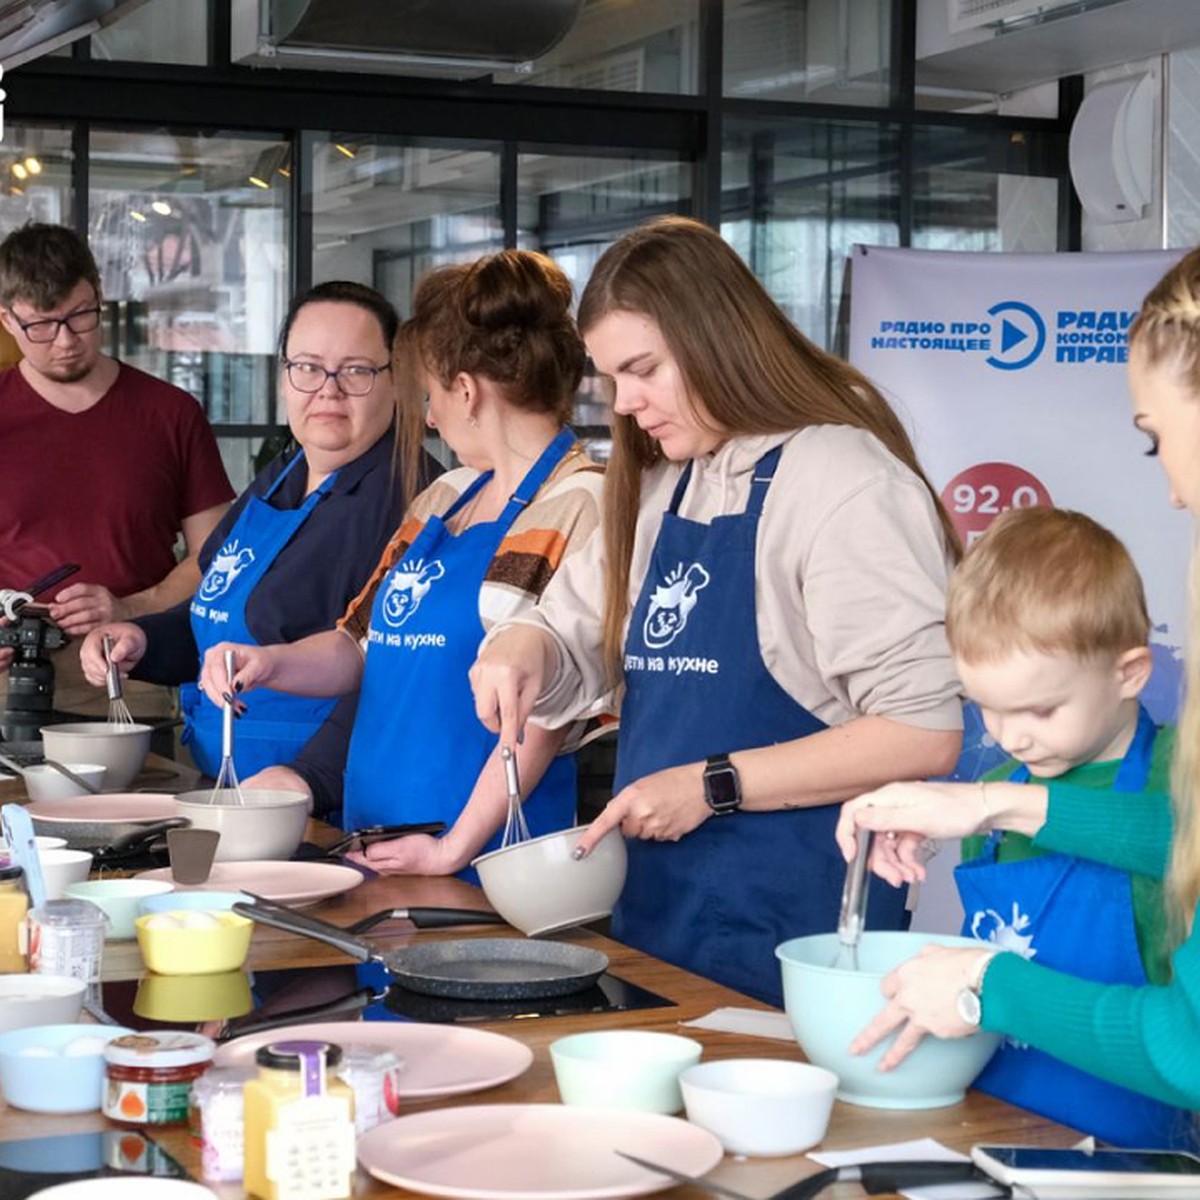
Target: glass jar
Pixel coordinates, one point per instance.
(149, 1076)
(306, 1114)
(373, 1073)
(14, 904)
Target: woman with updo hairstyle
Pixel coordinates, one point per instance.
(493, 347)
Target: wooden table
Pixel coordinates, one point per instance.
(978, 1118)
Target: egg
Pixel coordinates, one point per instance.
(81, 1047)
(198, 919)
(162, 921)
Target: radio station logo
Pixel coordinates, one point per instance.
(1012, 335)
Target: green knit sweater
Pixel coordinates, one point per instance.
(1144, 1038)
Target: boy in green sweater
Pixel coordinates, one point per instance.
(1047, 620)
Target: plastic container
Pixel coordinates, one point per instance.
(306, 1114)
(151, 1074)
(373, 1073)
(216, 1117)
(66, 937)
(14, 905)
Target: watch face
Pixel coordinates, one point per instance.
(722, 788)
(969, 1007)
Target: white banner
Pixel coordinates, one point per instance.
(1009, 370)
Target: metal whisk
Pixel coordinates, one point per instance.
(227, 789)
(515, 829)
(854, 906)
(118, 710)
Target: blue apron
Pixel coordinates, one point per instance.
(1074, 916)
(275, 726)
(417, 748)
(721, 899)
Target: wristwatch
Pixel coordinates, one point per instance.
(970, 1000)
(722, 787)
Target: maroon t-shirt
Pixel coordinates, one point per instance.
(107, 488)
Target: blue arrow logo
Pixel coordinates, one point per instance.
(1019, 323)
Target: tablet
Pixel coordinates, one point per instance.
(1051, 1174)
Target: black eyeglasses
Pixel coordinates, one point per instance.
(82, 320)
(354, 380)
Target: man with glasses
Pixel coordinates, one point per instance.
(100, 464)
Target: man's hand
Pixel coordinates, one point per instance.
(82, 606)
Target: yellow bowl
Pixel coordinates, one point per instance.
(172, 948)
(187, 999)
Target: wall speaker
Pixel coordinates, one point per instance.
(1111, 149)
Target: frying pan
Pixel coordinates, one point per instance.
(90, 822)
(475, 969)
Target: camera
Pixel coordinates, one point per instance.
(32, 634)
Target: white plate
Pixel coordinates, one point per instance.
(439, 1060)
(534, 1152)
(117, 808)
(121, 1187)
(286, 882)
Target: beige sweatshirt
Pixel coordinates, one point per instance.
(851, 581)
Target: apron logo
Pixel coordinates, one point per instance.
(225, 567)
(671, 603)
(406, 589)
(989, 926)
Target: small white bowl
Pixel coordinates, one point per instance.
(39, 1000)
(37, 1074)
(760, 1106)
(40, 842)
(623, 1068)
(61, 868)
(120, 899)
(43, 782)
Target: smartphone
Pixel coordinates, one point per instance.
(1082, 1175)
(359, 839)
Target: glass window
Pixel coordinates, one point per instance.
(194, 254)
(386, 210)
(796, 195)
(160, 31)
(822, 51)
(35, 175)
(982, 189)
(623, 46)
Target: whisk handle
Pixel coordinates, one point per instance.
(112, 673)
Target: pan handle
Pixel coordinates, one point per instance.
(269, 912)
(343, 1008)
(429, 918)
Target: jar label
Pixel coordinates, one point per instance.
(146, 1103)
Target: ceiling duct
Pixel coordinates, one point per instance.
(404, 36)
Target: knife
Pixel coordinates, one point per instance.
(875, 1178)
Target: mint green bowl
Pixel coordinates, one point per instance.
(827, 1006)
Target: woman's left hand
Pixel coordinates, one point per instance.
(415, 854)
(922, 998)
(661, 807)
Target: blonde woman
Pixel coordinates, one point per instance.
(1142, 1038)
(769, 597)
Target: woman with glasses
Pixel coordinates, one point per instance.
(494, 347)
(301, 541)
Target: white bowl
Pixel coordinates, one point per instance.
(623, 1068)
(125, 1187)
(760, 1106)
(61, 868)
(39, 1000)
(121, 748)
(269, 825)
(42, 843)
(537, 887)
(829, 1005)
(120, 899)
(49, 1081)
(43, 782)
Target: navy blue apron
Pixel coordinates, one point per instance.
(417, 748)
(275, 726)
(721, 899)
(1074, 916)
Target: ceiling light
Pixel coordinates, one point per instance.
(273, 160)
(18, 169)
(33, 165)
(344, 149)
(161, 207)
(137, 216)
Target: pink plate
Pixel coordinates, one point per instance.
(117, 807)
(286, 882)
(534, 1152)
(439, 1060)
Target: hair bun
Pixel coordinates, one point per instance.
(513, 292)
